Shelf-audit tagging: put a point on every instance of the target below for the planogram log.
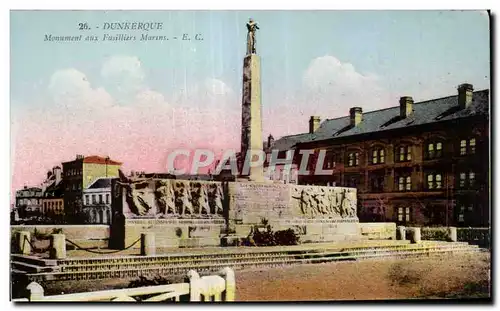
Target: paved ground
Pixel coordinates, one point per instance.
(462, 275)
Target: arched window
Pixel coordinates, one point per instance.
(352, 158)
(403, 153)
(377, 156)
(433, 149)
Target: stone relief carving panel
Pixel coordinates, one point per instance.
(321, 202)
(162, 198)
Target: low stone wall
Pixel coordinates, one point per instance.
(435, 233)
(175, 232)
(378, 230)
(479, 236)
(83, 235)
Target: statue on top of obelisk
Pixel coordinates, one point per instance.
(252, 28)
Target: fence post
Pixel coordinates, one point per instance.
(57, 246)
(194, 286)
(148, 247)
(416, 235)
(401, 233)
(24, 246)
(452, 234)
(228, 275)
(36, 291)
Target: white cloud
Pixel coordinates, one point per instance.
(329, 88)
(123, 76)
(338, 86)
(71, 89)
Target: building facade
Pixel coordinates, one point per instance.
(97, 202)
(78, 175)
(28, 202)
(52, 201)
(423, 163)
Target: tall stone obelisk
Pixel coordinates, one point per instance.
(251, 123)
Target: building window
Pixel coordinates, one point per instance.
(353, 159)
(378, 156)
(466, 180)
(93, 199)
(351, 181)
(403, 153)
(86, 199)
(377, 183)
(404, 183)
(100, 198)
(434, 150)
(107, 198)
(467, 146)
(434, 181)
(329, 160)
(404, 214)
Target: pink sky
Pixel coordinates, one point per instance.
(73, 117)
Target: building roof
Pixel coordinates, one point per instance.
(425, 112)
(100, 160)
(288, 142)
(93, 160)
(55, 190)
(104, 182)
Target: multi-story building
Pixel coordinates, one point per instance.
(52, 201)
(28, 202)
(417, 163)
(78, 175)
(97, 202)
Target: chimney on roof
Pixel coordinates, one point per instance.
(405, 106)
(58, 173)
(356, 114)
(314, 122)
(465, 95)
(270, 141)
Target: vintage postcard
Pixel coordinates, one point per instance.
(227, 156)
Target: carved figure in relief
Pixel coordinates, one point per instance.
(183, 198)
(200, 198)
(135, 194)
(215, 199)
(165, 198)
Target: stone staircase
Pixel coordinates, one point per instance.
(212, 260)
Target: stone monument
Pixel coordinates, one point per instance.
(192, 213)
(251, 129)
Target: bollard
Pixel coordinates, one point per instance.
(401, 233)
(36, 291)
(452, 234)
(416, 235)
(24, 246)
(57, 246)
(228, 275)
(148, 247)
(194, 286)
